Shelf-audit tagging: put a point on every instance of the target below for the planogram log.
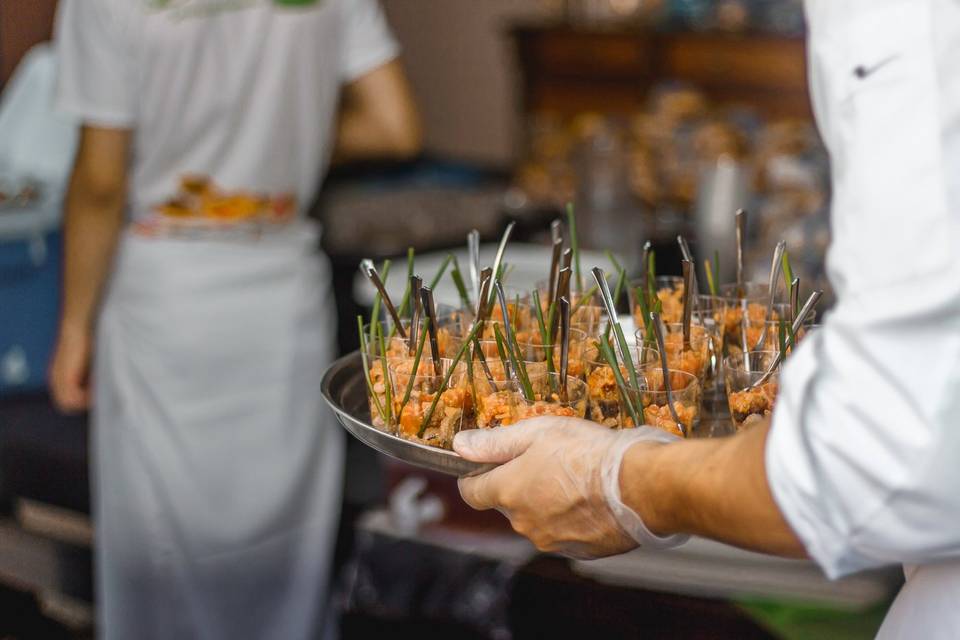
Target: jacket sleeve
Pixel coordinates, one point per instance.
(863, 453)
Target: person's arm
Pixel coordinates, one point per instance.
(574, 487)
(378, 116)
(93, 218)
(713, 488)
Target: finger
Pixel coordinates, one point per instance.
(498, 445)
(484, 491)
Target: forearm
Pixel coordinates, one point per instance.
(363, 138)
(714, 488)
(378, 117)
(92, 225)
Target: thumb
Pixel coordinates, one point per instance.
(499, 445)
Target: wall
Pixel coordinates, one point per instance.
(461, 62)
(23, 23)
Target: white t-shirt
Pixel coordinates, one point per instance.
(245, 91)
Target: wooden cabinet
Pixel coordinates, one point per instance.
(569, 70)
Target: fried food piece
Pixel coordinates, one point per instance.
(661, 418)
(749, 406)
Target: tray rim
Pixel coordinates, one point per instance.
(373, 437)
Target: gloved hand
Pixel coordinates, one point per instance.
(559, 484)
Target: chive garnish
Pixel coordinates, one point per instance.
(711, 283)
(416, 366)
(366, 366)
(388, 394)
(446, 379)
(544, 337)
(375, 310)
(457, 278)
(442, 270)
(516, 363)
(611, 359)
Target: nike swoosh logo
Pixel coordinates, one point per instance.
(863, 72)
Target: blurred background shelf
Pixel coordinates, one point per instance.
(570, 69)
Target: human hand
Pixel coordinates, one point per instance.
(559, 483)
(70, 369)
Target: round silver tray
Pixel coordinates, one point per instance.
(344, 389)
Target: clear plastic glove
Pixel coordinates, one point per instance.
(559, 484)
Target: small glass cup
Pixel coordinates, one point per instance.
(448, 414)
(669, 293)
(547, 399)
(495, 406)
(710, 314)
(534, 351)
(589, 318)
(750, 406)
(603, 394)
(651, 400)
(696, 359)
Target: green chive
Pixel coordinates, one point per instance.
(388, 393)
(618, 290)
(366, 367)
(625, 352)
(787, 270)
(375, 311)
(613, 260)
(710, 281)
(416, 366)
(461, 287)
(446, 380)
(544, 336)
(611, 359)
(519, 368)
(587, 297)
(442, 270)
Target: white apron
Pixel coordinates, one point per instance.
(217, 473)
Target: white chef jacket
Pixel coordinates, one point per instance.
(864, 453)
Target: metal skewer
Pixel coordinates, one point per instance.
(661, 345)
(794, 298)
(563, 291)
(687, 302)
(416, 286)
(774, 277)
(607, 298)
(366, 266)
(473, 249)
(498, 260)
(801, 317)
(431, 312)
(564, 346)
(554, 270)
(688, 256)
(556, 231)
(741, 219)
(485, 277)
(507, 327)
(645, 270)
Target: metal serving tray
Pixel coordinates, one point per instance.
(344, 389)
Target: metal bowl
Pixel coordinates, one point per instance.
(344, 389)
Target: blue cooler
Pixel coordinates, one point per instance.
(30, 284)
